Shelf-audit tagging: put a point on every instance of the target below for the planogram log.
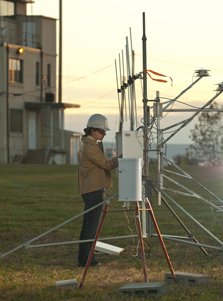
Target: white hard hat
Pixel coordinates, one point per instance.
(98, 121)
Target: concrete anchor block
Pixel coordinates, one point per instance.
(67, 283)
(142, 289)
(188, 278)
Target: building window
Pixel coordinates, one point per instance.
(37, 73)
(29, 34)
(7, 9)
(48, 75)
(15, 70)
(16, 120)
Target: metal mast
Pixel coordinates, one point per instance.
(145, 100)
(146, 222)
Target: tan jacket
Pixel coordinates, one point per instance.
(93, 168)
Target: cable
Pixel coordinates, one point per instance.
(79, 78)
(187, 104)
(99, 98)
(168, 112)
(169, 62)
(82, 77)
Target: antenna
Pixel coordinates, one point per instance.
(147, 130)
(118, 90)
(133, 82)
(124, 84)
(131, 112)
(122, 104)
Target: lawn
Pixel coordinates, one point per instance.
(36, 198)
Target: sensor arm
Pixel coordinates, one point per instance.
(173, 100)
(192, 117)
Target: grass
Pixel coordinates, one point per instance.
(36, 198)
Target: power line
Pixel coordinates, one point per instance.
(169, 62)
(99, 97)
(82, 77)
(76, 79)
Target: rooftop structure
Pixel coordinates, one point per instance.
(30, 116)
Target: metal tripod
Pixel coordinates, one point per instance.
(137, 212)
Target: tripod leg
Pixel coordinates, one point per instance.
(141, 241)
(94, 244)
(160, 238)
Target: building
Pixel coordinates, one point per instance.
(31, 121)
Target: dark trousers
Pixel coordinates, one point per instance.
(90, 225)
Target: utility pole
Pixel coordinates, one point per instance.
(60, 73)
(60, 53)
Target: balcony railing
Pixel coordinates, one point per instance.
(16, 37)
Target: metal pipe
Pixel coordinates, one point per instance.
(193, 194)
(123, 68)
(121, 104)
(173, 100)
(133, 88)
(120, 71)
(64, 223)
(117, 89)
(194, 180)
(193, 110)
(192, 117)
(141, 241)
(27, 246)
(191, 243)
(134, 108)
(131, 117)
(146, 221)
(173, 125)
(145, 129)
(177, 174)
(190, 216)
(174, 236)
(160, 177)
(180, 222)
(180, 192)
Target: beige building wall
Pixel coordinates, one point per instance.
(37, 35)
(27, 91)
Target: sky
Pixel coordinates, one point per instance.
(182, 36)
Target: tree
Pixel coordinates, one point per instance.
(207, 136)
(180, 159)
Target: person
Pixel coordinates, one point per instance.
(93, 177)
